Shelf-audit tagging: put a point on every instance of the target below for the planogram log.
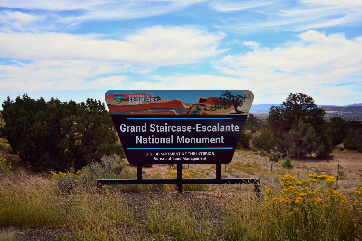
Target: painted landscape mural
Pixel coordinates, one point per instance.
(179, 102)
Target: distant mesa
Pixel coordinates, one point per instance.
(352, 112)
(348, 112)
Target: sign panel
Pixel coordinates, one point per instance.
(179, 126)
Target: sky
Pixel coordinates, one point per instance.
(77, 49)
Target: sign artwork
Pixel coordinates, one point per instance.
(179, 126)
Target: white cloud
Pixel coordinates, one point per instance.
(344, 3)
(51, 4)
(100, 9)
(251, 44)
(296, 16)
(152, 46)
(101, 5)
(230, 6)
(195, 82)
(19, 17)
(19, 21)
(185, 82)
(316, 60)
(59, 75)
(336, 95)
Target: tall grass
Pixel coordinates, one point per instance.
(304, 210)
(99, 216)
(177, 219)
(29, 201)
(291, 208)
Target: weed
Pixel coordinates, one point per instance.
(66, 181)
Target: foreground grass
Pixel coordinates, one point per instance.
(291, 207)
(308, 210)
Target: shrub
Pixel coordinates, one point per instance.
(264, 140)
(244, 141)
(66, 181)
(5, 166)
(287, 164)
(310, 210)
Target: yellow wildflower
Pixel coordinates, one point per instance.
(312, 180)
(330, 180)
(298, 200)
(359, 191)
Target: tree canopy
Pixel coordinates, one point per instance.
(286, 123)
(58, 135)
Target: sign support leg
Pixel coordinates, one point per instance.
(139, 171)
(179, 178)
(218, 171)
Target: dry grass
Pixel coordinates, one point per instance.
(9, 235)
(72, 203)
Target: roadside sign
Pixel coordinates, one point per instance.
(179, 126)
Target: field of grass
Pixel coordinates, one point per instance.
(306, 202)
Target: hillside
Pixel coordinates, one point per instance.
(348, 112)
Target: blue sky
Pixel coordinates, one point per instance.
(76, 49)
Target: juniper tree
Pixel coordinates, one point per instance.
(58, 135)
(300, 107)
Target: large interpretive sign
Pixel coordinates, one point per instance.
(179, 126)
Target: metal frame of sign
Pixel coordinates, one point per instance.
(179, 127)
(179, 181)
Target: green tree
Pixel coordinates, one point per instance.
(273, 159)
(300, 107)
(59, 135)
(253, 124)
(339, 129)
(244, 140)
(301, 140)
(353, 140)
(264, 140)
